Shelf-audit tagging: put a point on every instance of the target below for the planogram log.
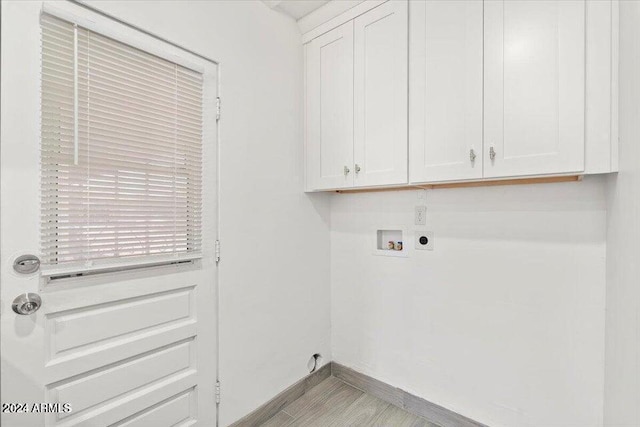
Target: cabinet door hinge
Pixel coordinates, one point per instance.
(217, 108)
(217, 251)
(217, 391)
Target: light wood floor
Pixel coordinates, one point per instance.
(337, 404)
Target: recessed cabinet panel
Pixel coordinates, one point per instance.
(534, 79)
(380, 95)
(445, 90)
(329, 109)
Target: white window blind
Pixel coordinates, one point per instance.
(121, 153)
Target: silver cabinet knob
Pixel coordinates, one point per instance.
(346, 171)
(358, 168)
(26, 304)
(472, 155)
(492, 153)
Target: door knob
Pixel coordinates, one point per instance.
(492, 153)
(472, 155)
(26, 304)
(26, 264)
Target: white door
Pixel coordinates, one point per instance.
(380, 95)
(534, 87)
(329, 109)
(445, 90)
(130, 348)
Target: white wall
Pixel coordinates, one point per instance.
(274, 275)
(622, 368)
(503, 322)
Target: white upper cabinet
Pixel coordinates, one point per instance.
(534, 87)
(329, 109)
(436, 91)
(380, 95)
(445, 89)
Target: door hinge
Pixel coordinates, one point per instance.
(217, 108)
(217, 391)
(217, 251)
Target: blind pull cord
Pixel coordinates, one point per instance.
(75, 95)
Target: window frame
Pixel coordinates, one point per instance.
(136, 38)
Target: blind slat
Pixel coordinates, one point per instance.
(116, 140)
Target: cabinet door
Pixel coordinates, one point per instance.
(445, 90)
(329, 109)
(534, 87)
(380, 95)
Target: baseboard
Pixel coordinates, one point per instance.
(402, 399)
(273, 406)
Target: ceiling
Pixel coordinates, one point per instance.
(295, 8)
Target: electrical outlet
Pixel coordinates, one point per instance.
(424, 240)
(421, 215)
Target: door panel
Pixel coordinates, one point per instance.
(173, 411)
(94, 389)
(329, 109)
(122, 348)
(380, 100)
(88, 327)
(445, 90)
(534, 87)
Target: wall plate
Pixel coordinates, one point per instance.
(420, 215)
(423, 240)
